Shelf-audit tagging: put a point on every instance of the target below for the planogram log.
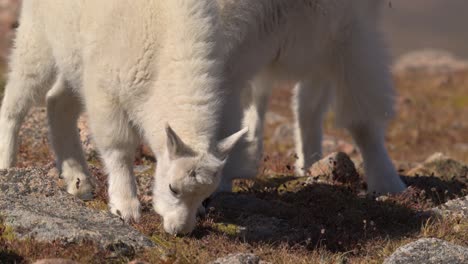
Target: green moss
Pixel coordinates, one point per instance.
(228, 229)
(97, 205)
(150, 170)
(293, 185)
(7, 232)
(161, 242)
(461, 101)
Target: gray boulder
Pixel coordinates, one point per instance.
(239, 258)
(35, 206)
(429, 251)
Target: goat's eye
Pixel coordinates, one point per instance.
(173, 191)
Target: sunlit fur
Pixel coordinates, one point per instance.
(333, 51)
(134, 66)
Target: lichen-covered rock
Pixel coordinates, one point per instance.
(456, 207)
(33, 204)
(428, 251)
(429, 61)
(336, 167)
(239, 258)
(441, 166)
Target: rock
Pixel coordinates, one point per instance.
(429, 61)
(456, 207)
(336, 167)
(34, 206)
(55, 261)
(441, 166)
(239, 258)
(138, 262)
(428, 251)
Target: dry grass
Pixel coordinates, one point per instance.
(327, 223)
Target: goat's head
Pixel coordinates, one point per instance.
(184, 178)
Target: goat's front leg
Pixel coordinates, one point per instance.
(116, 141)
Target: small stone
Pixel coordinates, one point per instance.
(442, 166)
(55, 261)
(239, 258)
(429, 251)
(138, 262)
(336, 167)
(456, 207)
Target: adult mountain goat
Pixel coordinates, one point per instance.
(331, 49)
(135, 65)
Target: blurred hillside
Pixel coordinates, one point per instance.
(420, 24)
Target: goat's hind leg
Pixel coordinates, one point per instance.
(63, 111)
(247, 107)
(310, 102)
(364, 101)
(255, 108)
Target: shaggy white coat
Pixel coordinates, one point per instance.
(135, 66)
(331, 49)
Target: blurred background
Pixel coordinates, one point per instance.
(420, 24)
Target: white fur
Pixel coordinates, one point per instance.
(330, 48)
(135, 65)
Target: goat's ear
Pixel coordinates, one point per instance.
(175, 146)
(226, 145)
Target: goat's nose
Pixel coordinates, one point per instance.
(179, 229)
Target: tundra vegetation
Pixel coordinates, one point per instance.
(429, 120)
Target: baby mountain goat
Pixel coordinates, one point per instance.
(331, 49)
(135, 66)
